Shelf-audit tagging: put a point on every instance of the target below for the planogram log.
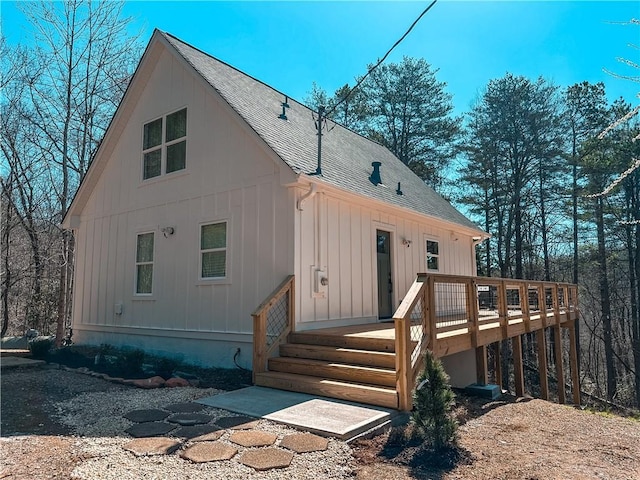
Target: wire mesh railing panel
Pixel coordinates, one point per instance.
(451, 304)
(278, 318)
(562, 298)
(417, 329)
(548, 298)
(533, 297)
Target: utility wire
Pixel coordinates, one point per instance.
(344, 99)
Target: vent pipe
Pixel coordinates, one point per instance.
(375, 175)
(399, 190)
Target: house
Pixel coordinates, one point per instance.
(204, 195)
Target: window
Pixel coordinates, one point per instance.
(432, 255)
(170, 153)
(144, 264)
(213, 250)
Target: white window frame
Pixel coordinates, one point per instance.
(162, 146)
(227, 264)
(427, 254)
(137, 263)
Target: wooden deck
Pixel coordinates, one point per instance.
(377, 363)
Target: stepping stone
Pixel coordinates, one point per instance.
(149, 429)
(304, 442)
(266, 458)
(141, 416)
(237, 423)
(253, 438)
(188, 419)
(197, 431)
(209, 452)
(152, 446)
(207, 437)
(185, 407)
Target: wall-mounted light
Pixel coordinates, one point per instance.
(406, 242)
(166, 231)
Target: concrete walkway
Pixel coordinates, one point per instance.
(323, 416)
(17, 362)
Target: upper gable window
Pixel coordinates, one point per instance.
(164, 145)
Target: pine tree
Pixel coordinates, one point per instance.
(433, 400)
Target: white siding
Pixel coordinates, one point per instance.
(228, 177)
(338, 235)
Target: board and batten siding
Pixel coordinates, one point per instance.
(338, 236)
(228, 177)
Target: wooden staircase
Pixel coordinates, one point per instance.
(350, 368)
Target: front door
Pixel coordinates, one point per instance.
(385, 282)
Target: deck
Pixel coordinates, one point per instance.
(378, 363)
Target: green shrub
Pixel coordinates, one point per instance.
(164, 367)
(40, 347)
(130, 362)
(433, 399)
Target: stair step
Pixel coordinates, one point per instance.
(333, 370)
(339, 355)
(344, 341)
(354, 392)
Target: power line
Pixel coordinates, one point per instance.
(381, 60)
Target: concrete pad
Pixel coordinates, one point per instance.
(304, 443)
(17, 362)
(484, 391)
(327, 417)
(152, 446)
(253, 438)
(266, 458)
(209, 452)
(150, 415)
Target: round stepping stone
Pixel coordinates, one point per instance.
(185, 407)
(188, 419)
(253, 438)
(209, 452)
(304, 442)
(149, 429)
(152, 446)
(196, 431)
(141, 416)
(237, 423)
(266, 458)
(207, 437)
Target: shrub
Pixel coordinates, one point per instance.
(130, 362)
(433, 400)
(40, 348)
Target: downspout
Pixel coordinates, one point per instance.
(312, 191)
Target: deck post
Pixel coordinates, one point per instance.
(498, 363)
(259, 340)
(518, 372)
(557, 350)
(541, 341)
(403, 363)
(482, 375)
(573, 356)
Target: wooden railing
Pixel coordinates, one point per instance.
(449, 314)
(273, 320)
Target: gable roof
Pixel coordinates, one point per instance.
(346, 155)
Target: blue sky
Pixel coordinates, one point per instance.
(289, 45)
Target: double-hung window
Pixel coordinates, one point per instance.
(164, 145)
(144, 263)
(433, 255)
(213, 251)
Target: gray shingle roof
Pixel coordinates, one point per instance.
(346, 156)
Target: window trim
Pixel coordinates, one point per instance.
(436, 255)
(136, 264)
(163, 145)
(200, 280)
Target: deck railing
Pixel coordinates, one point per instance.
(450, 314)
(273, 320)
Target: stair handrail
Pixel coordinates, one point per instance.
(262, 348)
(408, 357)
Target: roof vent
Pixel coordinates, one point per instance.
(375, 175)
(285, 105)
(399, 190)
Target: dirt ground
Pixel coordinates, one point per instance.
(506, 439)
